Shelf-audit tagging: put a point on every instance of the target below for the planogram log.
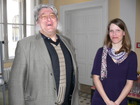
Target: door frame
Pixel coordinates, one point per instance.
(80, 6)
(89, 4)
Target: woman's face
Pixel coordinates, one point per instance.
(47, 21)
(116, 34)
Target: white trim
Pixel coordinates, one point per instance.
(129, 17)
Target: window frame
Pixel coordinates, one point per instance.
(5, 26)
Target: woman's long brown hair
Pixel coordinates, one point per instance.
(126, 42)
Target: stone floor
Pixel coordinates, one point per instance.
(84, 98)
(85, 94)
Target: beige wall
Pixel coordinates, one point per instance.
(113, 12)
(59, 3)
(44, 1)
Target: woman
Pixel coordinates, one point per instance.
(115, 67)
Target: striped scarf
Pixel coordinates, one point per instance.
(62, 82)
(118, 57)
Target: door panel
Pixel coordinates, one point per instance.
(85, 28)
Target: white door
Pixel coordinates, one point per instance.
(85, 26)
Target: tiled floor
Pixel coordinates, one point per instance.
(84, 98)
(85, 94)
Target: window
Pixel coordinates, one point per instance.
(1, 21)
(16, 22)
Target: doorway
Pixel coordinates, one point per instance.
(85, 24)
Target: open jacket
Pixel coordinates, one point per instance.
(31, 79)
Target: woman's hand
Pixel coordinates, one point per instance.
(111, 103)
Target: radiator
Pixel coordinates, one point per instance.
(6, 74)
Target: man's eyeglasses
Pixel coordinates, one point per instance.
(46, 16)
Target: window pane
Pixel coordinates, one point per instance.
(15, 33)
(30, 9)
(30, 30)
(1, 33)
(15, 11)
(15, 22)
(1, 11)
